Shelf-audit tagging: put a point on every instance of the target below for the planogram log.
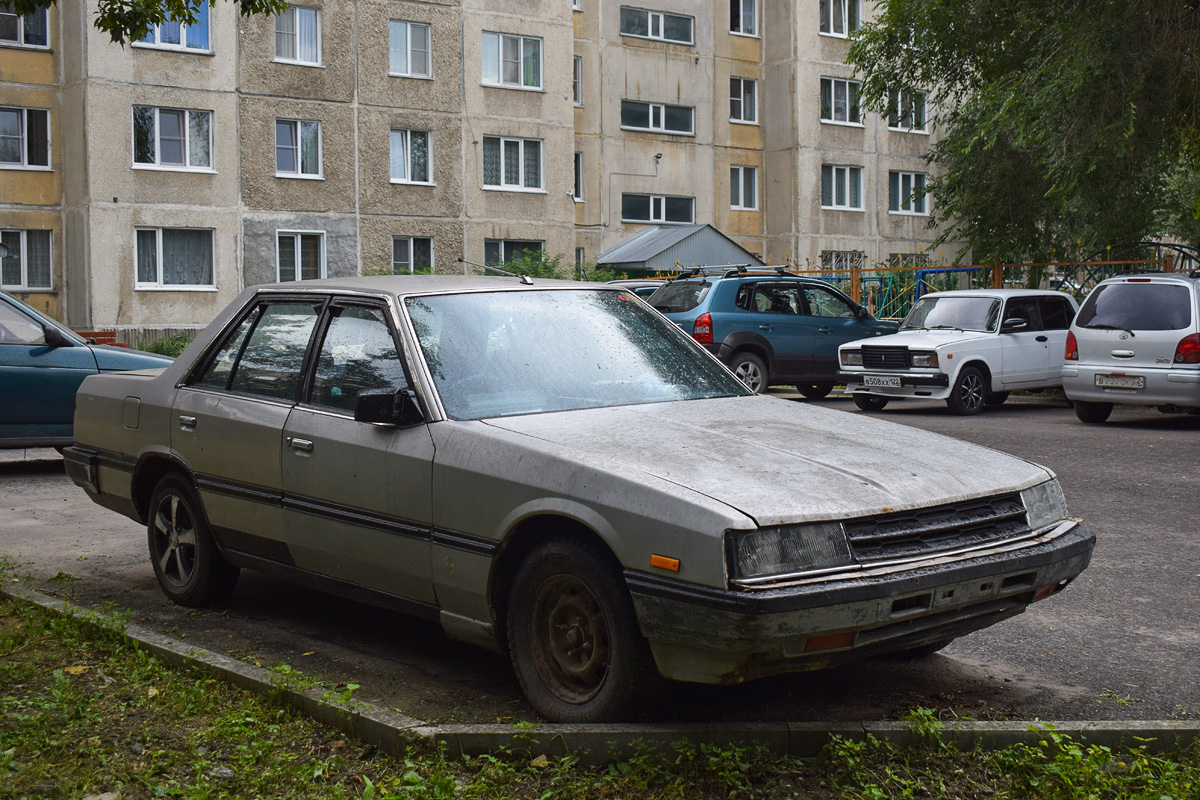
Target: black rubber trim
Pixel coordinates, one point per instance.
(37, 441)
(357, 516)
(239, 491)
(465, 542)
(81, 466)
(1075, 544)
(941, 379)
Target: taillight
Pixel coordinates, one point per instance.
(1072, 351)
(702, 329)
(1188, 350)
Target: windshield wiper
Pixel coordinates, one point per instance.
(1104, 326)
(944, 328)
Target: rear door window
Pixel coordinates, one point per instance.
(1056, 313)
(1137, 307)
(264, 354)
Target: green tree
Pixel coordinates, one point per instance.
(130, 20)
(1065, 126)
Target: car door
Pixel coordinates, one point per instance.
(775, 313)
(1025, 351)
(834, 322)
(39, 380)
(357, 496)
(228, 423)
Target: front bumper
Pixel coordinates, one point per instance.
(912, 384)
(726, 636)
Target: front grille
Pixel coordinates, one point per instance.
(885, 357)
(927, 531)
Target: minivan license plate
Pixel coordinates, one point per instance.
(882, 380)
(1121, 381)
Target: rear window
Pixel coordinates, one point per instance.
(679, 296)
(1137, 307)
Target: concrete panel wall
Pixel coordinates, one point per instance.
(260, 234)
(377, 233)
(332, 80)
(377, 193)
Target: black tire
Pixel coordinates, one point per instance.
(870, 402)
(918, 652)
(1092, 413)
(573, 636)
(189, 567)
(995, 399)
(814, 391)
(751, 369)
(970, 389)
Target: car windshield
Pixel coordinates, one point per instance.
(495, 354)
(1137, 307)
(962, 313)
(679, 296)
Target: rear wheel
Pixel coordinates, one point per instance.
(1092, 413)
(869, 402)
(189, 567)
(995, 399)
(751, 369)
(966, 397)
(814, 391)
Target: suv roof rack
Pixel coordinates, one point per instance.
(730, 271)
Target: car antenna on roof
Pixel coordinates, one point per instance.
(525, 279)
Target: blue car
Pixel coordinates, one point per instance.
(41, 365)
(770, 327)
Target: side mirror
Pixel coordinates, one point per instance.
(1014, 324)
(54, 337)
(397, 407)
(862, 313)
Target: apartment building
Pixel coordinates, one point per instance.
(142, 187)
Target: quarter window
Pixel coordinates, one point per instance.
(297, 148)
(906, 111)
(839, 101)
(743, 17)
(174, 35)
(656, 25)
(743, 100)
(512, 164)
(298, 36)
(841, 187)
(656, 208)
(743, 185)
(358, 353)
(411, 254)
(408, 49)
(174, 258)
(24, 137)
(26, 265)
(839, 17)
(300, 255)
(657, 117)
(513, 62)
(410, 157)
(25, 30)
(906, 192)
(171, 137)
(502, 251)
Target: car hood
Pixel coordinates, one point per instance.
(922, 339)
(110, 359)
(781, 461)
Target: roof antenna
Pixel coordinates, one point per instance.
(525, 279)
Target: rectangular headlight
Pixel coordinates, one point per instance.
(924, 359)
(852, 358)
(1044, 504)
(788, 549)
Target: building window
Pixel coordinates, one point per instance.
(25, 30)
(842, 260)
(743, 100)
(841, 187)
(171, 137)
(502, 251)
(174, 257)
(577, 81)
(657, 117)
(580, 256)
(24, 137)
(172, 35)
(906, 192)
(743, 17)
(411, 157)
(577, 5)
(297, 148)
(514, 62)
(897, 260)
(300, 255)
(412, 254)
(840, 17)
(578, 177)
(298, 36)
(906, 111)
(408, 49)
(656, 25)
(656, 208)
(26, 265)
(743, 188)
(513, 164)
(839, 101)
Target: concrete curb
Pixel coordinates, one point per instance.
(395, 733)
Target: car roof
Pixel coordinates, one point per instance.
(998, 293)
(399, 285)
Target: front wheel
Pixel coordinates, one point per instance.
(189, 567)
(969, 390)
(752, 371)
(870, 402)
(814, 391)
(573, 636)
(1092, 413)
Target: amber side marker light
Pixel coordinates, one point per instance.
(662, 562)
(831, 641)
(1042, 592)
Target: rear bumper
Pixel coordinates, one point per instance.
(1180, 387)
(724, 636)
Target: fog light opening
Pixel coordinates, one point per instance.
(830, 641)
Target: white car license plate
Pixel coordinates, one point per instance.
(1121, 381)
(892, 381)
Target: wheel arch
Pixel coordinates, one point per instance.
(979, 364)
(151, 468)
(746, 342)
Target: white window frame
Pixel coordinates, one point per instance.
(741, 99)
(20, 40)
(577, 5)
(521, 39)
(182, 47)
(853, 90)
(296, 234)
(24, 138)
(24, 285)
(845, 170)
(580, 256)
(406, 135)
(408, 49)
(158, 285)
(825, 12)
(737, 178)
(577, 190)
(158, 164)
(908, 199)
(577, 80)
(661, 217)
(411, 265)
(505, 256)
(294, 12)
(299, 174)
(505, 143)
(896, 104)
(661, 18)
(661, 109)
(741, 5)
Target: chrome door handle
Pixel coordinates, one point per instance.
(300, 444)
(1040, 339)
(187, 421)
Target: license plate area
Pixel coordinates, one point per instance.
(1120, 382)
(886, 381)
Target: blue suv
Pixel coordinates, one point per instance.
(769, 327)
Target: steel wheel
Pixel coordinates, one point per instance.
(571, 645)
(189, 566)
(968, 393)
(751, 370)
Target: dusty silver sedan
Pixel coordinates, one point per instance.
(554, 470)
